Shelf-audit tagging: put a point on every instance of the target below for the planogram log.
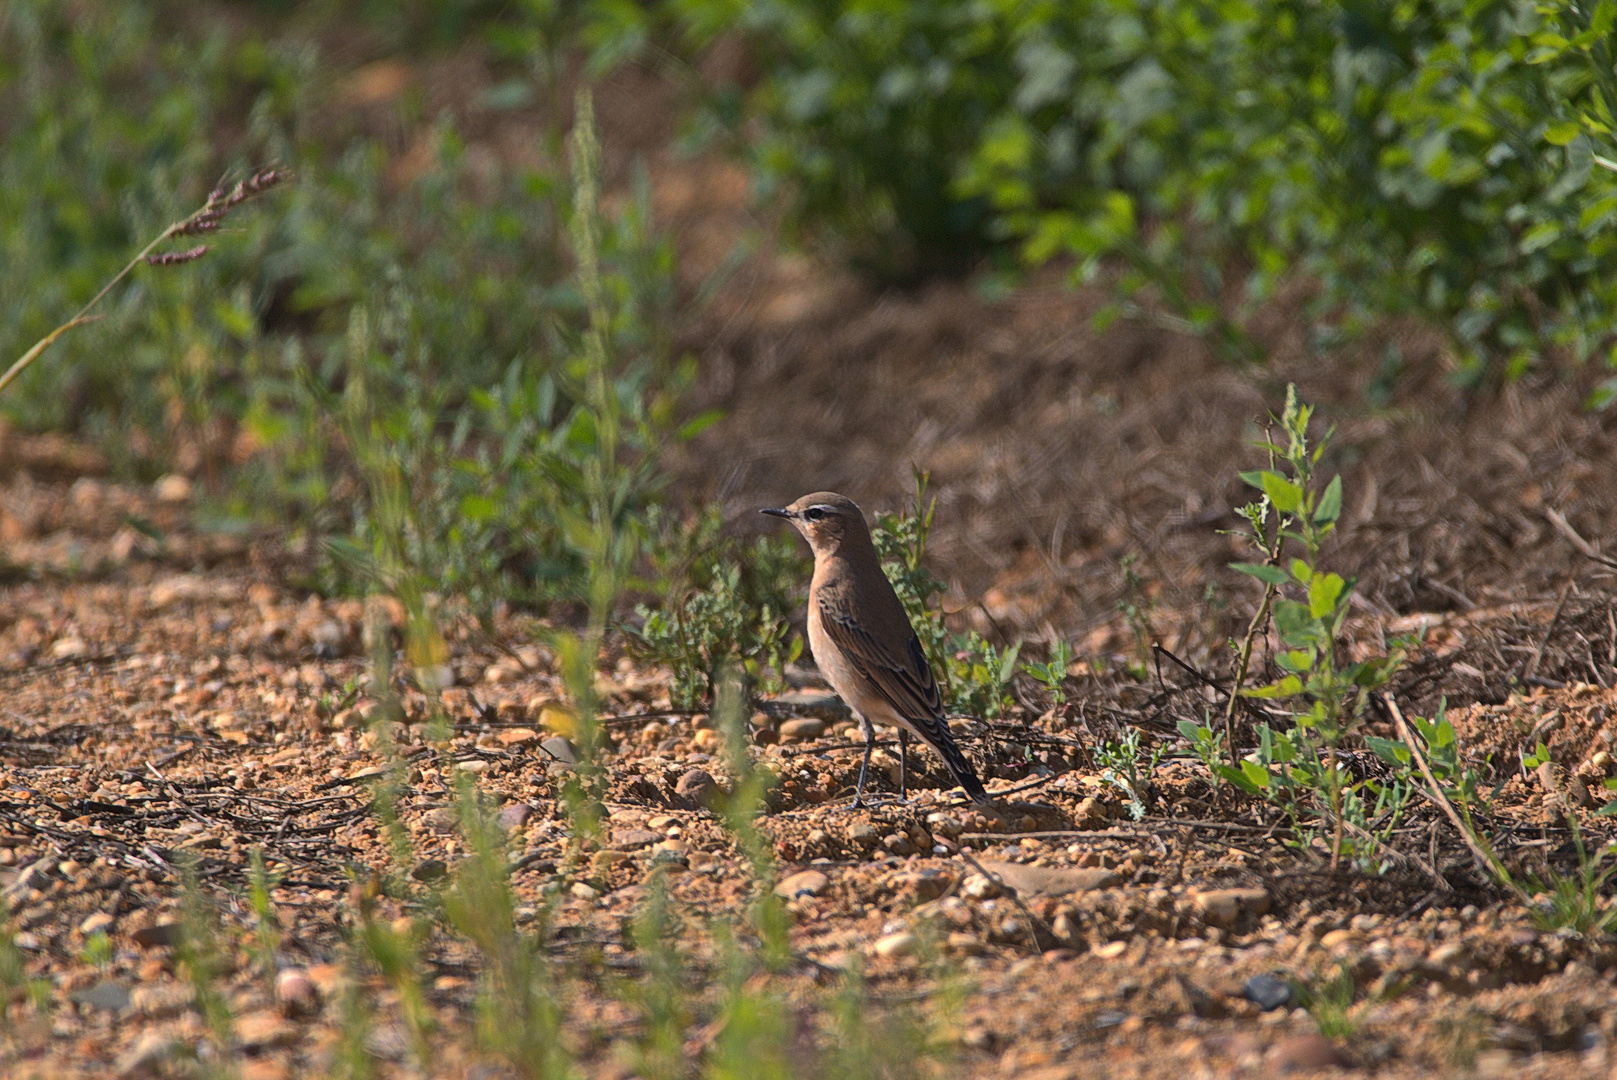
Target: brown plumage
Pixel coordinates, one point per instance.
(863, 642)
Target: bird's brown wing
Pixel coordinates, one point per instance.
(902, 676)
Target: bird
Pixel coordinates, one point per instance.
(863, 641)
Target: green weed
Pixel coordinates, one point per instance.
(1121, 767)
(726, 603)
(1326, 695)
(973, 672)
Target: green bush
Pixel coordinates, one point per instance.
(1433, 157)
(725, 605)
(431, 322)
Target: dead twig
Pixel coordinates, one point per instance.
(1586, 549)
(1486, 861)
(1531, 670)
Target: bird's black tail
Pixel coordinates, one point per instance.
(960, 766)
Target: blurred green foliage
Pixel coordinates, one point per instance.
(1433, 157)
(411, 289)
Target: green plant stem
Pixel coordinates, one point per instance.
(84, 313)
(1243, 661)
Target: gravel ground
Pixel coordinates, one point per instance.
(178, 702)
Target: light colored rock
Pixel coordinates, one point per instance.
(296, 992)
(803, 883)
(69, 648)
(172, 488)
(264, 1028)
(862, 832)
(1031, 881)
(98, 923)
(517, 738)
(1224, 907)
(896, 945)
(145, 1057)
(1089, 815)
(802, 729)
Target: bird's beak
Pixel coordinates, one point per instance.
(776, 511)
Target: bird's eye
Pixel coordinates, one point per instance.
(814, 513)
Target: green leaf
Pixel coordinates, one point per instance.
(1253, 478)
(1301, 571)
(1287, 496)
(1330, 504)
(1296, 624)
(1298, 660)
(1286, 687)
(1323, 593)
(479, 508)
(1256, 775)
(1391, 751)
(1563, 133)
(698, 424)
(1271, 574)
(1239, 778)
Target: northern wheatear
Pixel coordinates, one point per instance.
(863, 641)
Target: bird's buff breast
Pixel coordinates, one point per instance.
(843, 679)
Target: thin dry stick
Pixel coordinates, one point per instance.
(1555, 620)
(1586, 549)
(1486, 861)
(205, 220)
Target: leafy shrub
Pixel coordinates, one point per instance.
(1435, 158)
(1301, 769)
(725, 606)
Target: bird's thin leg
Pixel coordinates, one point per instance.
(864, 764)
(903, 765)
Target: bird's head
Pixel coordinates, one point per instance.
(828, 521)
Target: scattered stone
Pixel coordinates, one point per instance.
(517, 738)
(514, 815)
(979, 887)
(158, 934)
(69, 648)
(1224, 907)
(441, 819)
(862, 832)
(1031, 881)
(803, 729)
(430, 870)
(583, 891)
(159, 999)
(150, 1051)
(602, 861)
(560, 750)
(98, 923)
(1267, 992)
(697, 787)
(1307, 1052)
(803, 883)
(172, 488)
(109, 994)
(1089, 814)
(898, 844)
(296, 992)
(902, 943)
(257, 1030)
(634, 839)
